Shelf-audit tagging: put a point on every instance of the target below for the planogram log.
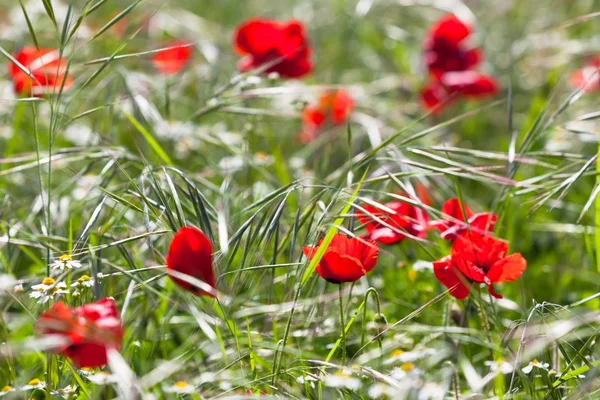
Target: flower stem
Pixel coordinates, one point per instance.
(342, 325)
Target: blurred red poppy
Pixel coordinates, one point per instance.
(172, 58)
(282, 45)
(91, 329)
(445, 50)
(190, 254)
(346, 259)
(454, 85)
(476, 258)
(451, 226)
(398, 219)
(45, 65)
(588, 77)
(333, 109)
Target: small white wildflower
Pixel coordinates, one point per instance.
(535, 364)
(6, 390)
(47, 290)
(34, 384)
(83, 281)
(431, 391)
(342, 379)
(500, 366)
(405, 370)
(102, 378)
(180, 387)
(19, 288)
(421, 265)
(273, 76)
(65, 392)
(65, 261)
(7, 282)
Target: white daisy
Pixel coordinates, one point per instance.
(500, 365)
(65, 261)
(47, 290)
(65, 392)
(180, 387)
(102, 378)
(18, 288)
(83, 281)
(34, 384)
(6, 390)
(535, 364)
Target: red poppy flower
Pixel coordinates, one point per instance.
(173, 58)
(589, 76)
(445, 50)
(333, 109)
(190, 253)
(476, 258)
(454, 85)
(45, 65)
(90, 329)
(282, 44)
(451, 226)
(346, 259)
(397, 220)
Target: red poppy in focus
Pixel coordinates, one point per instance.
(190, 254)
(589, 76)
(346, 259)
(476, 258)
(333, 109)
(173, 58)
(91, 330)
(451, 225)
(454, 85)
(282, 45)
(399, 220)
(445, 50)
(45, 65)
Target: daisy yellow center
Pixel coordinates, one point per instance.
(397, 353)
(181, 384)
(407, 367)
(535, 362)
(54, 289)
(34, 382)
(261, 156)
(48, 281)
(412, 275)
(6, 388)
(84, 278)
(65, 258)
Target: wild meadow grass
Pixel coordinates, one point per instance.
(106, 167)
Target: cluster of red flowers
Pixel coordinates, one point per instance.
(476, 257)
(451, 64)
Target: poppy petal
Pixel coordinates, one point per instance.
(508, 269)
(173, 58)
(448, 277)
(451, 29)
